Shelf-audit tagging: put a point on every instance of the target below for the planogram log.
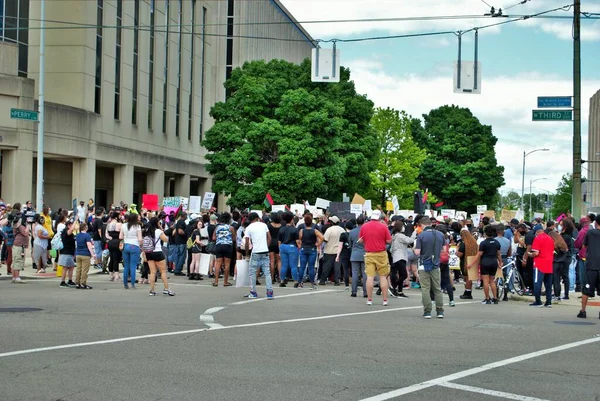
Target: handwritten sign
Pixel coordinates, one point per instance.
(172, 201)
(195, 202)
(481, 209)
(278, 208)
(507, 215)
(356, 208)
(209, 198)
(322, 203)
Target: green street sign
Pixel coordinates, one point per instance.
(24, 114)
(552, 115)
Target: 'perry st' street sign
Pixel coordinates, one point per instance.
(552, 115)
(554, 101)
(24, 114)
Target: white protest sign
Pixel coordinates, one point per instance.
(481, 209)
(278, 208)
(520, 215)
(209, 197)
(367, 206)
(538, 215)
(195, 202)
(476, 220)
(185, 203)
(448, 213)
(461, 214)
(313, 210)
(297, 209)
(322, 203)
(356, 209)
(395, 203)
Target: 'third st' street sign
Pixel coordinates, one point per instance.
(24, 114)
(554, 101)
(552, 115)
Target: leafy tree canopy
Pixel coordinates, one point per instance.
(278, 132)
(398, 160)
(461, 166)
(563, 197)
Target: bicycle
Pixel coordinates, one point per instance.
(511, 281)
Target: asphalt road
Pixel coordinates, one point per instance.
(211, 344)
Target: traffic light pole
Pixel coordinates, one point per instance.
(576, 197)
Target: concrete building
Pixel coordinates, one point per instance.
(128, 88)
(592, 198)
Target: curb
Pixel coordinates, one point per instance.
(528, 299)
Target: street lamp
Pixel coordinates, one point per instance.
(530, 185)
(523, 179)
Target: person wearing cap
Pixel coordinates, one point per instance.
(542, 253)
(332, 243)
(591, 243)
(429, 247)
(375, 236)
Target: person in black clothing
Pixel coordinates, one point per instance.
(180, 239)
(189, 229)
(344, 251)
(275, 258)
(288, 244)
(67, 255)
(489, 258)
(97, 235)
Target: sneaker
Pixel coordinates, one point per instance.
(556, 299)
(152, 294)
(452, 303)
(86, 287)
(63, 285)
(79, 287)
(495, 301)
(536, 304)
(440, 315)
(385, 302)
(582, 315)
(71, 284)
(283, 285)
(365, 296)
(565, 298)
(466, 295)
(347, 288)
(295, 285)
(313, 286)
(270, 294)
(19, 280)
(252, 295)
(488, 302)
(353, 295)
(484, 302)
(402, 295)
(300, 285)
(416, 285)
(169, 293)
(548, 305)
(336, 284)
(427, 315)
(393, 292)
(369, 302)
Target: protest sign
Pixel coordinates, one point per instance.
(490, 213)
(358, 200)
(481, 209)
(322, 203)
(195, 202)
(209, 198)
(278, 208)
(150, 201)
(356, 209)
(507, 215)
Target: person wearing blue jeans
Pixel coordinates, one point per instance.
(310, 239)
(131, 258)
(258, 233)
(180, 258)
(308, 258)
(288, 241)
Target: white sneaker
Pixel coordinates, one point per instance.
(385, 303)
(369, 302)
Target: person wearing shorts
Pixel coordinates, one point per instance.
(375, 236)
(223, 238)
(156, 259)
(66, 259)
(489, 258)
(20, 245)
(591, 243)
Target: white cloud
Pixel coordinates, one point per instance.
(311, 10)
(506, 103)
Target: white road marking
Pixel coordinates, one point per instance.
(480, 369)
(299, 294)
(493, 393)
(194, 331)
(208, 319)
(213, 310)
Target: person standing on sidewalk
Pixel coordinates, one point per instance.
(542, 252)
(375, 236)
(429, 247)
(20, 244)
(66, 259)
(258, 233)
(591, 244)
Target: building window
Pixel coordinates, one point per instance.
(136, 39)
(229, 46)
(151, 65)
(166, 72)
(193, 55)
(118, 59)
(14, 24)
(178, 100)
(98, 82)
(203, 63)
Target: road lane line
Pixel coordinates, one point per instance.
(194, 331)
(477, 370)
(492, 393)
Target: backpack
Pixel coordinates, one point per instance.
(148, 244)
(57, 242)
(190, 243)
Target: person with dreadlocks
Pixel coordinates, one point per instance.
(467, 248)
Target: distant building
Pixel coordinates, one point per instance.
(128, 88)
(592, 193)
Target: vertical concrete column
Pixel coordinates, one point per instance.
(205, 185)
(17, 169)
(84, 179)
(123, 184)
(155, 183)
(182, 185)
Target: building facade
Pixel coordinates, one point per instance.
(592, 187)
(128, 89)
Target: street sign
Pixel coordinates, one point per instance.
(24, 114)
(552, 115)
(554, 101)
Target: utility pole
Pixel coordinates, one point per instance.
(39, 199)
(576, 198)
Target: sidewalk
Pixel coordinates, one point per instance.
(574, 300)
(30, 274)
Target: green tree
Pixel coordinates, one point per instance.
(278, 132)
(398, 160)
(512, 201)
(461, 166)
(564, 194)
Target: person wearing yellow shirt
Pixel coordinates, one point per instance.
(48, 227)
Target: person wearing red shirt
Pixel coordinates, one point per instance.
(375, 236)
(542, 251)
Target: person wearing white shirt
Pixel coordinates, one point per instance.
(258, 233)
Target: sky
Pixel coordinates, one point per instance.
(520, 61)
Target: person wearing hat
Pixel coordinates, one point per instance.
(375, 236)
(542, 253)
(332, 243)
